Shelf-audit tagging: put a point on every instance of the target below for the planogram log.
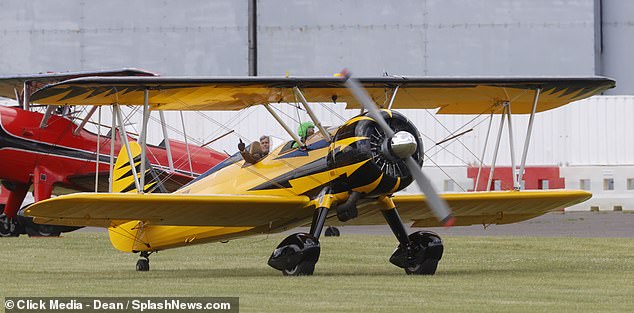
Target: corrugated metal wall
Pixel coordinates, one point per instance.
(427, 37)
(413, 37)
(196, 37)
(617, 44)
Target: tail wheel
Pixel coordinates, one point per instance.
(143, 265)
(332, 231)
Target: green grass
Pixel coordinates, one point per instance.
(477, 274)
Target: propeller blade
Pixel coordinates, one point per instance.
(438, 205)
(359, 92)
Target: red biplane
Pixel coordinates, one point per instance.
(52, 154)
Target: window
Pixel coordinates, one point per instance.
(448, 185)
(543, 184)
(287, 147)
(608, 184)
(584, 184)
(497, 184)
(630, 184)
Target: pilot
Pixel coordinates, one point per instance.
(255, 153)
(305, 130)
(265, 144)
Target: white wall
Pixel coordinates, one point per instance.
(595, 131)
(603, 199)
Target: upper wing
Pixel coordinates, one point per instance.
(111, 209)
(452, 95)
(9, 84)
(473, 208)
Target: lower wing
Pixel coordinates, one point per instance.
(472, 208)
(112, 209)
(107, 210)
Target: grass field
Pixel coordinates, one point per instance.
(477, 274)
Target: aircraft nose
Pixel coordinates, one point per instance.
(403, 144)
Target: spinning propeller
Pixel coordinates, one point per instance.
(402, 145)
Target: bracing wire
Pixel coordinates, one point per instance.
(445, 148)
(332, 111)
(447, 174)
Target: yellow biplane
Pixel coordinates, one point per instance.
(340, 175)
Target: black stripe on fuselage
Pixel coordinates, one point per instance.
(283, 181)
(8, 140)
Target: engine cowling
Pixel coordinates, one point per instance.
(385, 170)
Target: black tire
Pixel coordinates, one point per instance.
(427, 267)
(8, 228)
(332, 231)
(40, 230)
(304, 268)
(433, 254)
(143, 265)
(6, 231)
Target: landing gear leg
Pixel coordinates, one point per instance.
(418, 253)
(298, 253)
(143, 264)
(9, 226)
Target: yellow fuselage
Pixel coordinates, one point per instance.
(285, 171)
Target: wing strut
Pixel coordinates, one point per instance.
(113, 137)
(312, 115)
(47, 115)
(516, 185)
(143, 137)
(529, 132)
(389, 107)
(84, 121)
(124, 137)
(506, 113)
(189, 156)
(166, 140)
(486, 142)
(497, 148)
(98, 151)
(286, 128)
(26, 95)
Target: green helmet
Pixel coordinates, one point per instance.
(303, 129)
